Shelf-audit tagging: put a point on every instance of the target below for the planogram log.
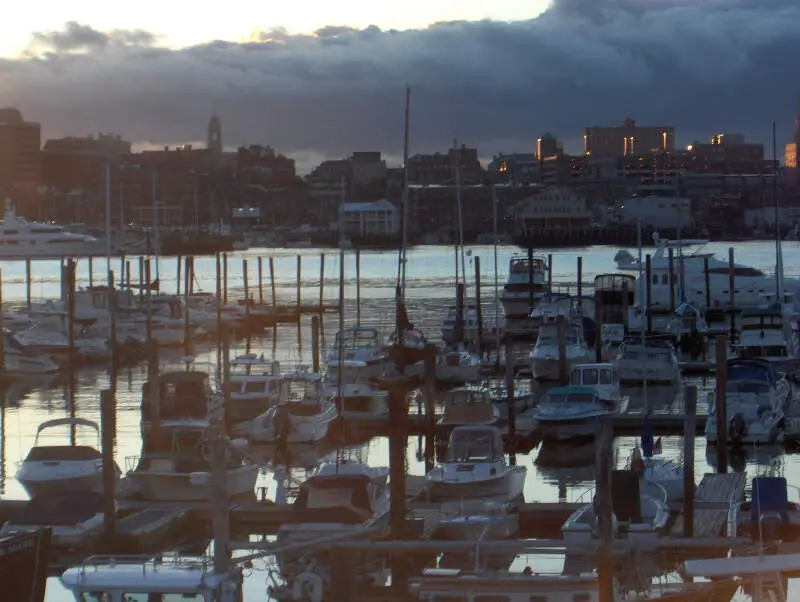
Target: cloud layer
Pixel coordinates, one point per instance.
(702, 65)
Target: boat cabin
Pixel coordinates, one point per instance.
(572, 395)
(301, 387)
(519, 264)
(751, 375)
(358, 338)
(653, 351)
(121, 579)
(468, 405)
(64, 453)
(475, 444)
(185, 398)
(603, 378)
(548, 335)
(765, 334)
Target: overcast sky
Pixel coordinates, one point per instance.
(316, 79)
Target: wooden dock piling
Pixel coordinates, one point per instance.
(512, 416)
(315, 366)
(720, 402)
(107, 429)
(261, 281)
(478, 307)
(604, 510)
(690, 415)
(299, 280)
(272, 279)
(28, 284)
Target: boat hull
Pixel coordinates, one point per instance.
(178, 487)
(547, 368)
(572, 428)
(46, 483)
(507, 487)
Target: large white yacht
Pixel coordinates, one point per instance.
(20, 239)
(516, 295)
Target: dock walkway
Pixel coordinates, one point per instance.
(712, 498)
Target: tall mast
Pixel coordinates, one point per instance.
(404, 207)
(778, 250)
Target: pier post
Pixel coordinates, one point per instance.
(128, 275)
(510, 393)
(430, 406)
(219, 498)
(187, 339)
(261, 281)
(580, 277)
(478, 307)
(358, 286)
(398, 413)
(671, 259)
(71, 318)
(732, 293)
(299, 280)
(720, 403)
(315, 344)
(649, 292)
(707, 276)
(689, 417)
(179, 261)
(225, 278)
(91, 271)
(549, 273)
(2, 336)
(112, 321)
(226, 377)
(141, 276)
(107, 429)
(530, 279)
(598, 328)
(219, 313)
(245, 281)
(191, 275)
(604, 511)
(28, 283)
(272, 279)
(321, 282)
(122, 271)
(149, 308)
(563, 366)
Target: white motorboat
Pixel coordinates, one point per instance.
(49, 469)
(361, 344)
(339, 498)
(255, 386)
(302, 416)
(470, 405)
(362, 402)
(456, 366)
(475, 467)
(567, 412)
(603, 378)
(43, 339)
(477, 520)
(21, 239)
(21, 361)
(519, 288)
(766, 333)
(163, 578)
(756, 396)
(655, 362)
(75, 517)
(657, 473)
(640, 516)
(544, 355)
(750, 283)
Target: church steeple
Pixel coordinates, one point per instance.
(215, 135)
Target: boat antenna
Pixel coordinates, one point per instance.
(778, 250)
(401, 256)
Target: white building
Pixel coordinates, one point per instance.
(554, 207)
(369, 219)
(658, 206)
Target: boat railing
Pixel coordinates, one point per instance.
(148, 562)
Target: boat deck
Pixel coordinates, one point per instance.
(712, 499)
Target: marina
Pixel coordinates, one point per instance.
(263, 344)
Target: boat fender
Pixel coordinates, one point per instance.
(737, 430)
(307, 587)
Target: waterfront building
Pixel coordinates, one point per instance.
(20, 153)
(378, 218)
(628, 139)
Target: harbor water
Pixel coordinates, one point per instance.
(554, 474)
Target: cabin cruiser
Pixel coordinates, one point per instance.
(302, 416)
(74, 517)
(255, 385)
(21, 239)
(655, 361)
(185, 399)
(457, 365)
(519, 289)
(360, 344)
(45, 339)
(468, 405)
(756, 396)
(567, 412)
(766, 333)
(603, 378)
(49, 469)
(641, 516)
(338, 498)
(163, 578)
(544, 356)
(475, 467)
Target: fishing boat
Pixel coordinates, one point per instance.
(756, 396)
(163, 578)
(635, 514)
(567, 412)
(653, 360)
(475, 467)
(303, 414)
(544, 356)
(525, 282)
(50, 469)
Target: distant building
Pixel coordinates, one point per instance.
(556, 207)
(658, 207)
(547, 146)
(20, 149)
(514, 168)
(379, 218)
(439, 169)
(78, 163)
(261, 164)
(790, 156)
(628, 139)
(367, 166)
(729, 153)
(214, 143)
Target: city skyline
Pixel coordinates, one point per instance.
(493, 85)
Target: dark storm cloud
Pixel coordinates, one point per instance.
(702, 65)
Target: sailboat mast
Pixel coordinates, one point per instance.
(404, 208)
(457, 178)
(496, 281)
(778, 250)
(460, 212)
(643, 305)
(156, 243)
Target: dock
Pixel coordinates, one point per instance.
(712, 497)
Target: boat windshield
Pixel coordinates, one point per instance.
(357, 339)
(592, 376)
(568, 398)
(753, 372)
(472, 446)
(301, 390)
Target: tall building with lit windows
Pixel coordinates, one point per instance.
(627, 139)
